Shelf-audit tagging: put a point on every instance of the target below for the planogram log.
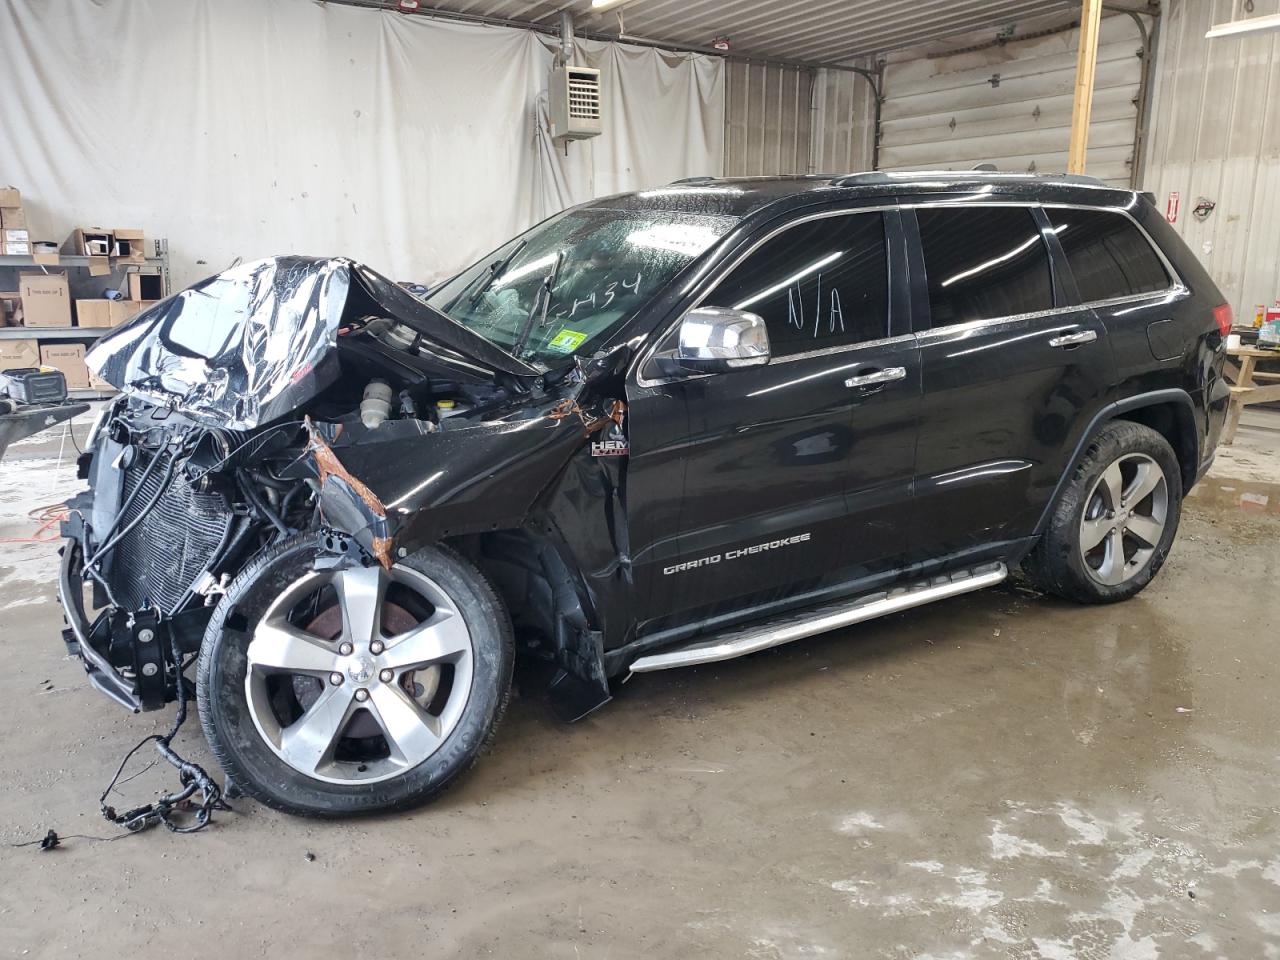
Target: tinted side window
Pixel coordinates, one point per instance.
(1108, 254)
(821, 284)
(983, 262)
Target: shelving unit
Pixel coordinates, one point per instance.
(83, 286)
(52, 333)
(158, 264)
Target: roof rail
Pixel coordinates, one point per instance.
(899, 176)
(702, 179)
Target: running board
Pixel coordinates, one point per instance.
(760, 636)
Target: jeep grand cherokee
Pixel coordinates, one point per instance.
(661, 428)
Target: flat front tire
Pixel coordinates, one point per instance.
(354, 690)
(1111, 530)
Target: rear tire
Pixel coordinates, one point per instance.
(1111, 529)
(353, 691)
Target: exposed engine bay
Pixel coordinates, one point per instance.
(284, 395)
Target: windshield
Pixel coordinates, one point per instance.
(572, 280)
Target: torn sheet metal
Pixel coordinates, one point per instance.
(346, 503)
(614, 412)
(256, 342)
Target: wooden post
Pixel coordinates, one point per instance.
(1086, 62)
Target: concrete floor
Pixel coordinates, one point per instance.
(1000, 775)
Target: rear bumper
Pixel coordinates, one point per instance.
(79, 631)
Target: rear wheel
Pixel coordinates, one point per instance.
(1112, 528)
(353, 690)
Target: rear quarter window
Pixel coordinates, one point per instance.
(1107, 254)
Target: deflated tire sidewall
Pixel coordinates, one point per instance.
(251, 763)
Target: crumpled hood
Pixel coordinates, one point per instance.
(256, 342)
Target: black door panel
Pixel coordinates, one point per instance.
(1004, 400)
(791, 451)
(794, 478)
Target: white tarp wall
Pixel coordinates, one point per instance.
(247, 128)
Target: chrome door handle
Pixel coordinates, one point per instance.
(1074, 339)
(887, 375)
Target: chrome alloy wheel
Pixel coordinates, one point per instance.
(359, 675)
(1124, 518)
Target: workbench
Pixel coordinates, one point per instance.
(1245, 390)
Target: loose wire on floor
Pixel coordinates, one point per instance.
(47, 520)
(193, 778)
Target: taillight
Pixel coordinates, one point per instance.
(1223, 317)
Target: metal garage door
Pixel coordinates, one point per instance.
(1010, 104)
(768, 113)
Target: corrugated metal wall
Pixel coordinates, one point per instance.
(775, 125)
(1215, 133)
(844, 127)
(768, 118)
(1010, 104)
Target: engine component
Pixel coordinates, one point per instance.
(375, 408)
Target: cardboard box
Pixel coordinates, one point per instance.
(146, 286)
(89, 242)
(69, 358)
(129, 244)
(46, 299)
(105, 313)
(13, 218)
(97, 383)
(19, 353)
(15, 243)
(122, 310)
(10, 197)
(10, 308)
(93, 313)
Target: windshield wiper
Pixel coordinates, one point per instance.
(496, 269)
(541, 303)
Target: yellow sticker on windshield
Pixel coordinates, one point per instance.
(566, 341)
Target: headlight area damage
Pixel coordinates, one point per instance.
(298, 394)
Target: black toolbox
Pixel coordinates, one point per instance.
(33, 385)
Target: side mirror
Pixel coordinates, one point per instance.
(718, 339)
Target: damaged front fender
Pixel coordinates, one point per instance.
(346, 503)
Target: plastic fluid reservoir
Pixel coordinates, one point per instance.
(376, 405)
(449, 408)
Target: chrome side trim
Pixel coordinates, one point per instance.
(943, 333)
(846, 348)
(878, 378)
(1074, 339)
(750, 639)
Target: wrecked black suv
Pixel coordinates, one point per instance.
(658, 429)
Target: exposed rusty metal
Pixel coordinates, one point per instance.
(568, 408)
(328, 464)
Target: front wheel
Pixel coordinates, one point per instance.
(1112, 528)
(353, 690)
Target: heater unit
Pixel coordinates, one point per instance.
(574, 106)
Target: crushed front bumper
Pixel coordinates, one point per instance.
(79, 631)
